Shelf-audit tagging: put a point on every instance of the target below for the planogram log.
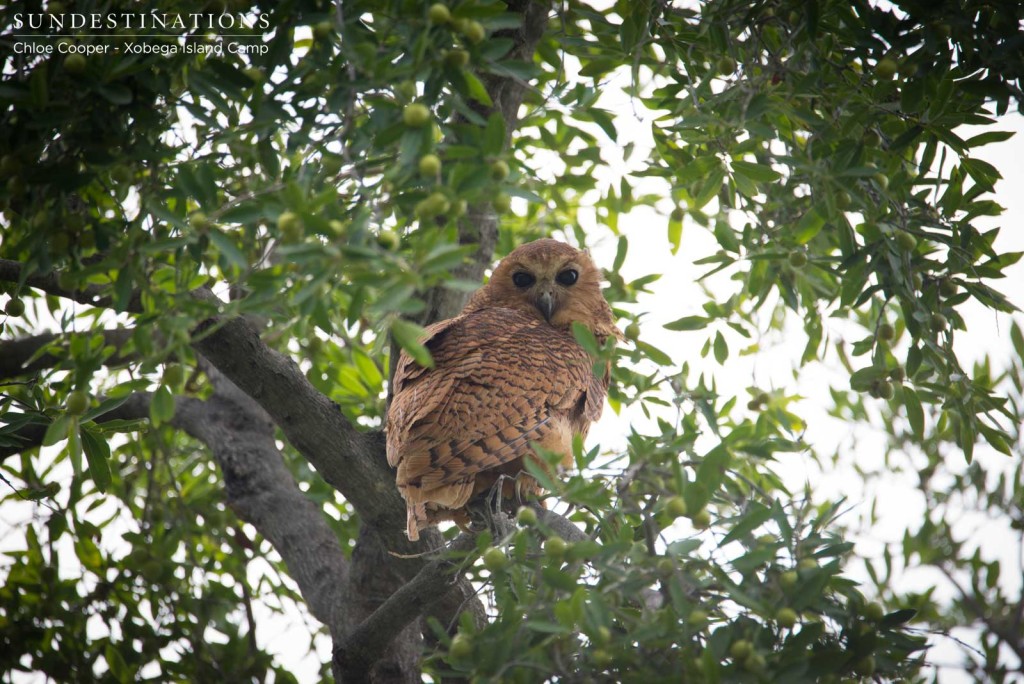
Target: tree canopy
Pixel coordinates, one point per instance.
(216, 238)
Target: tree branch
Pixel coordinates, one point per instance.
(93, 295)
(134, 408)
(14, 354)
(262, 491)
(351, 461)
(356, 654)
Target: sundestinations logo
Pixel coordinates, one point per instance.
(98, 21)
(138, 32)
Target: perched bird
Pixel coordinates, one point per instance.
(507, 373)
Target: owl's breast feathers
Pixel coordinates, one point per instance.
(501, 380)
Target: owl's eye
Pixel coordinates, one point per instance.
(523, 279)
(568, 277)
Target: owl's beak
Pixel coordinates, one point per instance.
(546, 304)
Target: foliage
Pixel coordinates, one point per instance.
(333, 188)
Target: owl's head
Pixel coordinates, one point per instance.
(550, 280)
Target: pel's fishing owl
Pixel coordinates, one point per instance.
(507, 373)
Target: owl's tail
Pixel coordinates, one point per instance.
(416, 517)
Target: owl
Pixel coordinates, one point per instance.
(508, 374)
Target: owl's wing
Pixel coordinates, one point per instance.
(501, 380)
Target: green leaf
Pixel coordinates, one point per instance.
(759, 173)
(57, 430)
(809, 225)
(161, 406)
(915, 415)
(408, 335)
(226, 246)
(675, 233)
(862, 379)
(477, 90)
(755, 516)
(586, 338)
(494, 134)
(97, 455)
(898, 617)
(721, 348)
(688, 323)
(105, 406)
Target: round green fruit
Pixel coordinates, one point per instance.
(798, 258)
(697, 618)
(938, 321)
(555, 547)
(871, 138)
(322, 29)
(755, 662)
(415, 115)
(789, 579)
(886, 68)
(948, 288)
(495, 559)
(461, 647)
(701, 519)
(526, 516)
(843, 199)
(885, 390)
(632, 331)
(388, 239)
(174, 375)
(917, 280)
(439, 14)
(474, 32)
(502, 202)
(406, 90)
(666, 566)
(905, 241)
(430, 165)
(289, 226)
(676, 507)
(75, 64)
(726, 65)
(457, 58)
(198, 220)
(15, 307)
(886, 332)
(897, 374)
(874, 611)
(807, 564)
(741, 649)
(499, 170)
(785, 617)
(77, 402)
(882, 180)
(438, 203)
